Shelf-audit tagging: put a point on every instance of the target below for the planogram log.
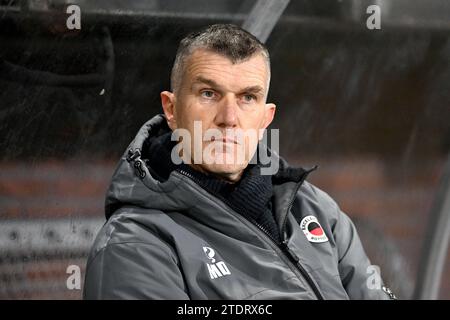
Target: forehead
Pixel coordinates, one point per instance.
(220, 69)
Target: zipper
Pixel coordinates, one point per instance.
(285, 241)
(390, 294)
(294, 259)
(281, 248)
(291, 201)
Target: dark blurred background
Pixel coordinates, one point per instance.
(370, 107)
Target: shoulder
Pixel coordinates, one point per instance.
(319, 203)
(133, 227)
(314, 194)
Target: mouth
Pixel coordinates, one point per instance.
(224, 140)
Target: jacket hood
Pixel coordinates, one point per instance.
(133, 184)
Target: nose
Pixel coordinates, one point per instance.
(226, 116)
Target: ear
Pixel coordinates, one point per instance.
(168, 105)
(269, 114)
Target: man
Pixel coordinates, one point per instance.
(184, 224)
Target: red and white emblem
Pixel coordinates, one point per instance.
(313, 230)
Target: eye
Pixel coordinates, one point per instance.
(208, 94)
(249, 98)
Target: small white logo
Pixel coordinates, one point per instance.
(74, 20)
(216, 270)
(373, 281)
(73, 282)
(313, 230)
(373, 22)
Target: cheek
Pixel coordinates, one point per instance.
(195, 110)
(186, 114)
(251, 143)
(253, 120)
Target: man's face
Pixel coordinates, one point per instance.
(228, 98)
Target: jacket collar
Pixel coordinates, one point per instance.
(133, 184)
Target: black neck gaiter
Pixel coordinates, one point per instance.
(251, 196)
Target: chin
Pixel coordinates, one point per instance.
(225, 170)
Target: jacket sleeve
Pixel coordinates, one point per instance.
(134, 270)
(360, 279)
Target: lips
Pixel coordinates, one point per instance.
(224, 140)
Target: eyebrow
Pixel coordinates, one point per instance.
(251, 89)
(209, 82)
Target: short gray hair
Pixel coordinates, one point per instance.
(228, 40)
